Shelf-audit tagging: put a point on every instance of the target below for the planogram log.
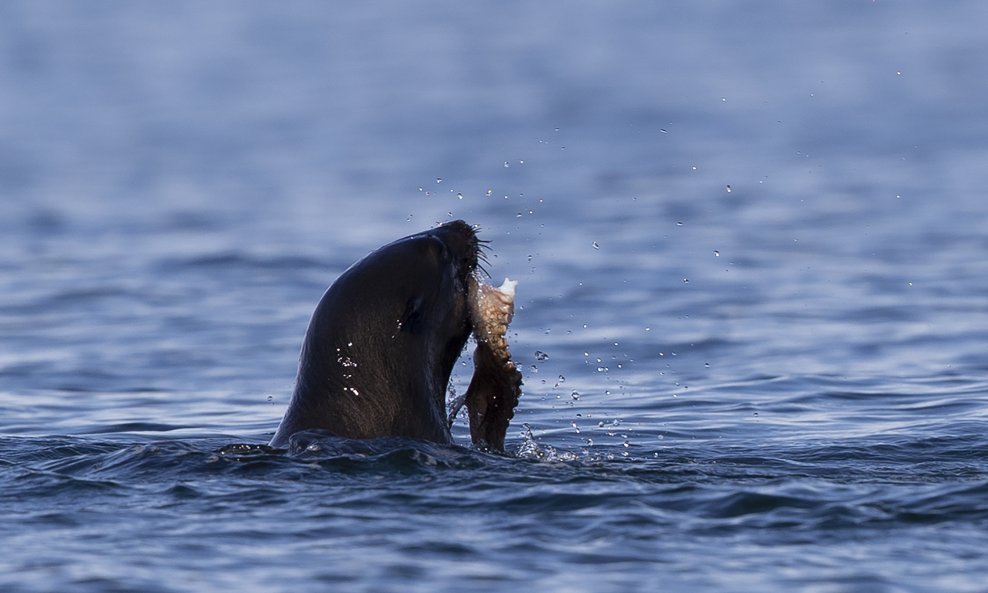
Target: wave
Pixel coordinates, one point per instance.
(816, 488)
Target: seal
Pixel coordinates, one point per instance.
(382, 342)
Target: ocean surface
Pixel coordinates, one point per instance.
(751, 241)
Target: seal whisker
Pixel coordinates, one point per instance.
(483, 247)
(482, 266)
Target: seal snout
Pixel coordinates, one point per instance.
(463, 245)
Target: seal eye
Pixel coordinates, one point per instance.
(412, 319)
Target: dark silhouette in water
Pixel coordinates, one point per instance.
(383, 340)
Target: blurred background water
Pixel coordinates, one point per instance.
(752, 315)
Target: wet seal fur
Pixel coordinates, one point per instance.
(382, 342)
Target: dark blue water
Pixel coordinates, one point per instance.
(752, 314)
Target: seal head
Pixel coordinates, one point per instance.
(383, 340)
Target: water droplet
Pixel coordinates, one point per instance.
(270, 398)
(575, 427)
(490, 192)
(728, 188)
(575, 395)
(663, 131)
(506, 164)
(716, 253)
(459, 196)
(541, 356)
(686, 280)
(439, 179)
(561, 379)
(595, 245)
